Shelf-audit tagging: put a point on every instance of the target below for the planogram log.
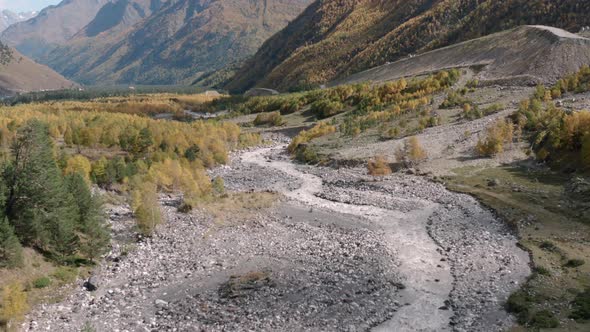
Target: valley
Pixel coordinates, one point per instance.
(329, 165)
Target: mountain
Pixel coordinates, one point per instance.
(530, 55)
(335, 38)
(8, 18)
(21, 74)
(176, 42)
(53, 26)
(112, 24)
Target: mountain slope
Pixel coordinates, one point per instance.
(176, 44)
(8, 18)
(112, 23)
(335, 38)
(22, 74)
(527, 54)
(53, 26)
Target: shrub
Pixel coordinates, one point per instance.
(14, 303)
(320, 129)
(497, 136)
(518, 302)
(472, 112)
(573, 263)
(218, 185)
(544, 319)
(548, 245)
(185, 207)
(581, 306)
(290, 106)
(378, 166)
(273, 118)
(542, 271)
(454, 99)
(326, 108)
(412, 153)
(494, 108)
(307, 155)
(41, 282)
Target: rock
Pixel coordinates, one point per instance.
(160, 303)
(493, 183)
(91, 284)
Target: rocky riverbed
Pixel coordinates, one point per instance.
(338, 251)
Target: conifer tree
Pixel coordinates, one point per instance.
(90, 218)
(10, 247)
(38, 204)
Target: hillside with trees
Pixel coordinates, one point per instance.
(335, 38)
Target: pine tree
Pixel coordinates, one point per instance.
(10, 247)
(90, 218)
(38, 204)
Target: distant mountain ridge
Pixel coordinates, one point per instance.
(335, 38)
(8, 18)
(175, 42)
(149, 41)
(53, 26)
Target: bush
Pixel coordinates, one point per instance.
(581, 306)
(320, 129)
(273, 118)
(326, 108)
(573, 263)
(549, 246)
(14, 304)
(454, 99)
(497, 136)
(185, 207)
(412, 153)
(494, 108)
(378, 166)
(307, 155)
(218, 185)
(472, 112)
(544, 319)
(542, 271)
(518, 302)
(41, 282)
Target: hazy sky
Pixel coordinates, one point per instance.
(26, 5)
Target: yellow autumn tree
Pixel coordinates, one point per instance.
(497, 136)
(146, 207)
(412, 153)
(378, 166)
(14, 304)
(79, 164)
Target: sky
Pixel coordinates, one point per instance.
(26, 5)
